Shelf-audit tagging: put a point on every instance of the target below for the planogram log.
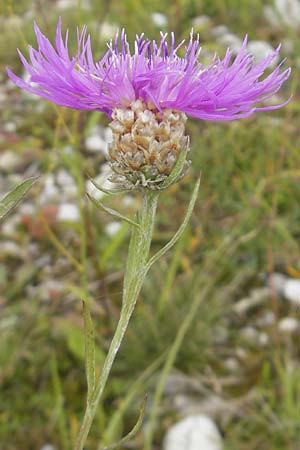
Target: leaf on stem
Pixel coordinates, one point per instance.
(11, 200)
(181, 229)
(134, 430)
(104, 190)
(90, 365)
(112, 212)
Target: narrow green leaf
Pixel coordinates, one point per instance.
(133, 432)
(104, 190)
(59, 398)
(138, 385)
(89, 339)
(112, 212)
(72, 334)
(11, 200)
(181, 229)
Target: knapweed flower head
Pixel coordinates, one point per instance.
(148, 92)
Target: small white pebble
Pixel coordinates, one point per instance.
(241, 353)
(128, 200)
(291, 291)
(277, 282)
(288, 325)
(271, 16)
(68, 212)
(98, 139)
(231, 41)
(95, 143)
(220, 30)
(10, 127)
(9, 161)
(50, 191)
(250, 334)
(8, 322)
(262, 49)
(67, 183)
(48, 447)
(289, 12)
(159, 19)
(201, 22)
(112, 228)
(263, 339)
(193, 433)
(27, 209)
(108, 31)
(66, 4)
(10, 224)
(10, 248)
(232, 364)
(266, 320)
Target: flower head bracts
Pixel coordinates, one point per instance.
(227, 89)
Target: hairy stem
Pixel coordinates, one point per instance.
(136, 270)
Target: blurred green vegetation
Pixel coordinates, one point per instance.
(246, 225)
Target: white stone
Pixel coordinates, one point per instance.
(10, 127)
(288, 325)
(232, 364)
(289, 288)
(277, 282)
(250, 334)
(261, 49)
(193, 433)
(50, 191)
(263, 339)
(26, 209)
(112, 228)
(68, 149)
(289, 12)
(291, 291)
(108, 31)
(266, 320)
(220, 30)
(98, 139)
(8, 322)
(271, 16)
(128, 200)
(48, 447)
(257, 296)
(10, 248)
(10, 224)
(159, 19)
(67, 183)
(68, 212)
(9, 161)
(66, 4)
(201, 22)
(231, 41)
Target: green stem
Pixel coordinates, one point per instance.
(136, 270)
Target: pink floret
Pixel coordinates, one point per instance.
(229, 88)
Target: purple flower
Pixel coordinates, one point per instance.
(228, 89)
